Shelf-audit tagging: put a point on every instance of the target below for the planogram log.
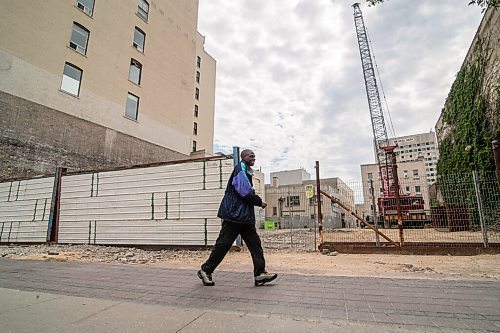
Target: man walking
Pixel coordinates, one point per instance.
(238, 218)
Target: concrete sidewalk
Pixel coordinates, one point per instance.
(39, 296)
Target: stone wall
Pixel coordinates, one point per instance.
(34, 139)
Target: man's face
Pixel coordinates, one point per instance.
(249, 158)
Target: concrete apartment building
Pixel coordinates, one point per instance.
(90, 84)
(412, 178)
(289, 200)
(412, 148)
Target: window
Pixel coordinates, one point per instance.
(194, 145)
(134, 74)
(415, 173)
(417, 189)
(87, 6)
(195, 128)
(197, 76)
(293, 200)
(405, 173)
(197, 94)
(370, 175)
(312, 200)
(132, 107)
(407, 188)
(79, 38)
(139, 39)
(275, 211)
(196, 111)
(71, 80)
(143, 9)
(198, 62)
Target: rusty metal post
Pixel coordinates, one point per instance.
(496, 153)
(318, 200)
(398, 198)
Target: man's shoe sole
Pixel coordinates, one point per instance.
(204, 283)
(262, 282)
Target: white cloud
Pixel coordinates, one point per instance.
(289, 80)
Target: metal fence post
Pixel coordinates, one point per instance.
(53, 225)
(496, 154)
(374, 217)
(480, 208)
(318, 198)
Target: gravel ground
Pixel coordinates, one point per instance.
(97, 253)
(286, 261)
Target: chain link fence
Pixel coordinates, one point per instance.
(458, 210)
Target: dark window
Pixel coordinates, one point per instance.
(417, 189)
(196, 110)
(79, 38)
(197, 76)
(139, 39)
(135, 72)
(132, 107)
(312, 200)
(275, 211)
(197, 94)
(195, 128)
(87, 6)
(143, 9)
(194, 145)
(198, 62)
(72, 79)
(293, 200)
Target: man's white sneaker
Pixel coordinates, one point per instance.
(264, 278)
(206, 278)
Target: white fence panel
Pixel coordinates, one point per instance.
(173, 204)
(25, 210)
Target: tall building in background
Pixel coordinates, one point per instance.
(412, 148)
(90, 84)
(288, 177)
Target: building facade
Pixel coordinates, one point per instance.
(88, 84)
(289, 202)
(412, 148)
(289, 177)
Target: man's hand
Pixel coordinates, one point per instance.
(264, 205)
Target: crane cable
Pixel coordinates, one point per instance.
(391, 126)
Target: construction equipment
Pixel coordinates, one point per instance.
(390, 204)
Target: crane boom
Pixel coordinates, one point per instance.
(384, 152)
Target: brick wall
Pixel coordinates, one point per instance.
(34, 139)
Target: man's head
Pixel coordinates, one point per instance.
(248, 156)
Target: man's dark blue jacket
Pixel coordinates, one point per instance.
(240, 198)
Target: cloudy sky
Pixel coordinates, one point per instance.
(289, 79)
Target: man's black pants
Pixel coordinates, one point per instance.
(227, 236)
